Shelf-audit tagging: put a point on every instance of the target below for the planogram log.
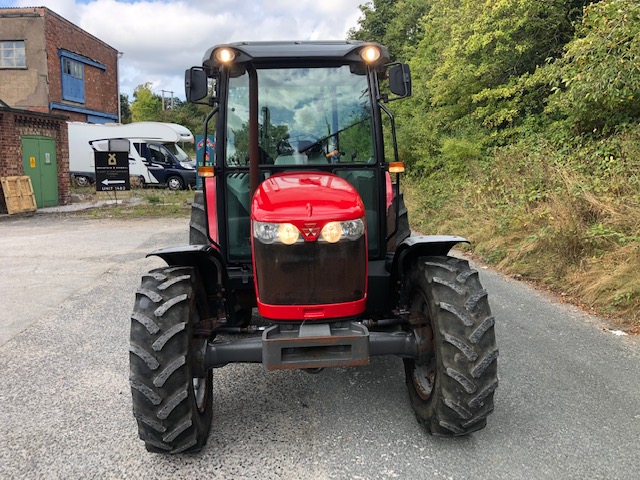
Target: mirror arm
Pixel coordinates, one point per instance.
(393, 129)
(395, 156)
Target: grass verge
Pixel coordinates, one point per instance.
(137, 203)
(567, 220)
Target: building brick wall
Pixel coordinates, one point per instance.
(33, 88)
(100, 86)
(14, 124)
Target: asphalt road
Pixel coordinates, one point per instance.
(568, 405)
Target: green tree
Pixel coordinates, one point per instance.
(125, 110)
(598, 79)
(372, 25)
(485, 66)
(393, 23)
(146, 106)
(187, 114)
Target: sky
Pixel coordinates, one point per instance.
(159, 40)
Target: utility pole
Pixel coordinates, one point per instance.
(163, 92)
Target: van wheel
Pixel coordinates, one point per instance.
(82, 181)
(175, 183)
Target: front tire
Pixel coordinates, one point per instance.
(171, 399)
(451, 387)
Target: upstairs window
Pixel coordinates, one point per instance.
(12, 54)
(72, 66)
(72, 80)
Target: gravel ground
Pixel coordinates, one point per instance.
(568, 405)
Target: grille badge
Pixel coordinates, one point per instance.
(310, 230)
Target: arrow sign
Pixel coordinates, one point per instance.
(112, 182)
(112, 171)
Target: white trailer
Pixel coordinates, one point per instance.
(155, 156)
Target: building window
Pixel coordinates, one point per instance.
(12, 54)
(72, 80)
(73, 68)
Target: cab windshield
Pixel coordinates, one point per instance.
(306, 116)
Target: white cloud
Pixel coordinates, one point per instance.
(160, 39)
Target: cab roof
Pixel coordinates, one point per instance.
(332, 50)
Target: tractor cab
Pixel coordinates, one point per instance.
(300, 240)
(298, 123)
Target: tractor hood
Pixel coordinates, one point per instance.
(301, 197)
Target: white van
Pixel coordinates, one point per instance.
(155, 156)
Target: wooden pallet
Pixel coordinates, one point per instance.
(18, 194)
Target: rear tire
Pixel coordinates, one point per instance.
(451, 388)
(198, 236)
(403, 231)
(171, 399)
(198, 224)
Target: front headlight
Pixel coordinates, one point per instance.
(353, 229)
(288, 233)
(333, 232)
(186, 166)
(276, 232)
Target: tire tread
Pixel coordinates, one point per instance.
(464, 345)
(160, 354)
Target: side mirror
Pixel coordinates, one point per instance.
(195, 84)
(400, 80)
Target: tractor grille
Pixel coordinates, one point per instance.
(311, 273)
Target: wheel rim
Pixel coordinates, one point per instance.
(200, 393)
(424, 371)
(424, 379)
(174, 184)
(82, 181)
(200, 385)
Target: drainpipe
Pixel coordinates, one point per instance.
(120, 54)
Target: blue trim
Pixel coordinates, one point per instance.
(81, 59)
(86, 111)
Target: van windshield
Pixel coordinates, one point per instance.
(177, 152)
(306, 116)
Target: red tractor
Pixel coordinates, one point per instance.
(300, 217)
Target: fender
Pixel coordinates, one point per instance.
(420, 246)
(203, 257)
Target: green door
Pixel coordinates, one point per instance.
(39, 163)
